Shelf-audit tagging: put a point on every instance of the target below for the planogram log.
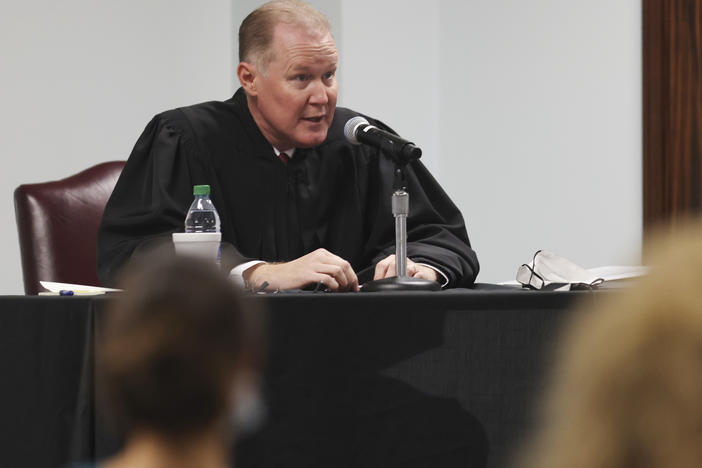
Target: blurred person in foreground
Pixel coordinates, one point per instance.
(178, 364)
(298, 203)
(627, 387)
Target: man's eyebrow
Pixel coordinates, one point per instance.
(298, 67)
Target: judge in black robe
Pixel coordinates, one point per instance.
(335, 196)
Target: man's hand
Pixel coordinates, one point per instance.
(386, 268)
(318, 266)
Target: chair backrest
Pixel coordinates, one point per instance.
(58, 223)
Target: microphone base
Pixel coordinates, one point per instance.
(400, 283)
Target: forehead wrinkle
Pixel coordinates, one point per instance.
(305, 56)
(321, 51)
(292, 46)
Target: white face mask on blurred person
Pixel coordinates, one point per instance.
(248, 411)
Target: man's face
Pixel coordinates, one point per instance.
(294, 96)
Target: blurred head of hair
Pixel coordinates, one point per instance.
(174, 347)
(626, 390)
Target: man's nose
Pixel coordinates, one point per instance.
(319, 94)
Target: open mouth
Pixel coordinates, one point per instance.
(313, 119)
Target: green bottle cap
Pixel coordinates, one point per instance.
(201, 189)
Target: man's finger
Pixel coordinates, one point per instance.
(425, 272)
(335, 271)
(339, 268)
(351, 278)
(385, 268)
(411, 268)
(328, 281)
(380, 268)
(419, 274)
(346, 276)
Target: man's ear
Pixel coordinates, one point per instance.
(247, 74)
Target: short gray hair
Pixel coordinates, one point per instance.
(256, 31)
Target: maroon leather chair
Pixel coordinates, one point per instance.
(58, 222)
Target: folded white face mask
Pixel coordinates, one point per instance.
(550, 271)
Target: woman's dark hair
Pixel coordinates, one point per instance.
(171, 346)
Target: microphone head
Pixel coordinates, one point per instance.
(351, 127)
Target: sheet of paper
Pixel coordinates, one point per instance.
(607, 273)
(78, 289)
(611, 273)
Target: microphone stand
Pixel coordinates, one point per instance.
(400, 210)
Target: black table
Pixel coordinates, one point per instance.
(357, 380)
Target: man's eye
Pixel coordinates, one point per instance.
(301, 77)
(328, 75)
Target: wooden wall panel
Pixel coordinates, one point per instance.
(672, 110)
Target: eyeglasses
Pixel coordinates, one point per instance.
(528, 277)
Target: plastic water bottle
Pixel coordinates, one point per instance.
(202, 215)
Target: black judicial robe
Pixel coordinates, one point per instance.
(336, 196)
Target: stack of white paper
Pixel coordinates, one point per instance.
(54, 289)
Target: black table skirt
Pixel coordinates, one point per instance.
(353, 380)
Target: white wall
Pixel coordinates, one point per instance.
(529, 113)
(81, 78)
(547, 154)
(391, 70)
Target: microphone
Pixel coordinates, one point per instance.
(357, 130)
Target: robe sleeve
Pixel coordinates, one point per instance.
(437, 233)
(151, 197)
